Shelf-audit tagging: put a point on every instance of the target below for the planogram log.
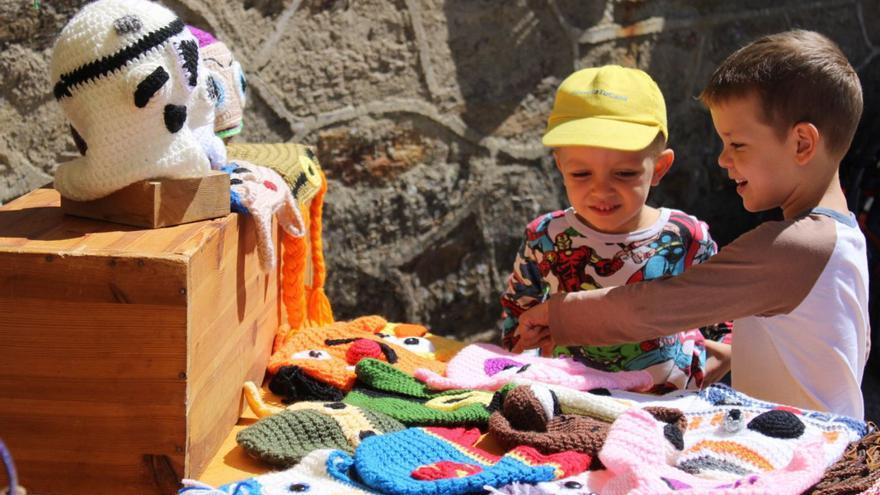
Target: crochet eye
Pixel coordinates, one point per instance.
(151, 85)
(242, 81)
(415, 344)
(572, 485)
(216, 90)
(313, 354)
(299, 487)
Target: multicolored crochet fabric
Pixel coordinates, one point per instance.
(285, 438)
(489, 367)
(309, 477)
(638, 448)
(444, 461)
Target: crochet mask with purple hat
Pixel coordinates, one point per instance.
(227, 82)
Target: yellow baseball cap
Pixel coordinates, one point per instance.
(608, 107)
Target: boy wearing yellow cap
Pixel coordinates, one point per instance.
(608, 131)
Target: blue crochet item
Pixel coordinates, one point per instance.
(444, 461)
(235, 203)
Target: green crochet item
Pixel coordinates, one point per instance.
(383, 388)
(285, 438)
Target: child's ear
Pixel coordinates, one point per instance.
(662, 165)
(806, 139)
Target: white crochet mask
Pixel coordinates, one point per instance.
(126, 74)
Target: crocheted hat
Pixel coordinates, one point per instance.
(285, 438)
(530, 415)
(226, 81)
(309, 477)
(428, 461)
(296, 163)
(260, 192)
(382, 387)
(636, 450)
(489, 367)
(596, 404)
(329, 353)
(126, 74)
(302, 268)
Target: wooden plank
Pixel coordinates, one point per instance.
(35, 223)
(234, 313)
(159, 202)
(92, 278)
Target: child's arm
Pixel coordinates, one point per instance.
(717, 361)
(525, 288)
(702, 248)
(765, 272)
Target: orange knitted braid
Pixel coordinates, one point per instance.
(293, 276)
(319, 311)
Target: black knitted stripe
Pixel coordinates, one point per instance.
(106, 65)
(301, 180)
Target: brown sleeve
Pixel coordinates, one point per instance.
(766, 271)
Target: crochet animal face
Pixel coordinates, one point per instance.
(127, 76)
(329, 354)
(227, 83)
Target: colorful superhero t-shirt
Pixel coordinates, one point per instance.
(561, 253)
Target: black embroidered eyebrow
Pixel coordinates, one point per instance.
(108, 64)
(226, 66)
(150, 86)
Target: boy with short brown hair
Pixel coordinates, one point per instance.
(786, 107)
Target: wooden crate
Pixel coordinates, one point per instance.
(124, 350)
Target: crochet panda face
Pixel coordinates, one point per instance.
(126, 74)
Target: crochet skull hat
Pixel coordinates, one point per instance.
(127, 74)
(226, 81)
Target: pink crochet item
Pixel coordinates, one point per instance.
(636, 451)
(489, 367)
(263, 193)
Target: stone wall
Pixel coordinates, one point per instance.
(427, 115)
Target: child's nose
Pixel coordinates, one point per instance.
(724, 159)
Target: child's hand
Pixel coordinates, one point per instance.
(533, 330)
(534, 338)
(535, 317)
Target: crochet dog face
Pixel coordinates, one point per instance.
(127, 76)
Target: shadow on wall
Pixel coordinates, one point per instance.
(501, 55)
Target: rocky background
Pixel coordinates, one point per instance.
(427, 115)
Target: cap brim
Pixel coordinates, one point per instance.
(601, 133)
